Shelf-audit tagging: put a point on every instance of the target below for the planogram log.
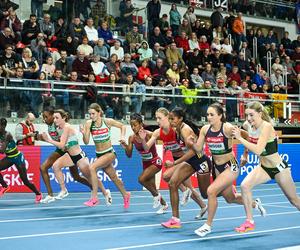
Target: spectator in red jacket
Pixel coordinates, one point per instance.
(144, 71)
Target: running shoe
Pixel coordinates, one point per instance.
(48, 199)
(201, 214)
(156, 201)
(62, 194)
(162, 209)
(4, 190)
(108, 198)
(127, 200)
(172, 223)
(203, 230)
(245, 227)
(260, 207)
(186, 197)
(92, 202)
(38, 198)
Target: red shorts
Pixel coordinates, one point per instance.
(157, 162)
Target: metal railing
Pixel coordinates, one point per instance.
(237, 98)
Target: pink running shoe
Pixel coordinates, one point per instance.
(245, 227)
(172, 223)
(92, 202)
(38, 198)
(3, 190)
(127, 200)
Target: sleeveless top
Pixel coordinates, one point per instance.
(11, 146)
(72, 141)
(217, 142)
(100, 134)
(146, 155)
(170, 141)
(272, 145)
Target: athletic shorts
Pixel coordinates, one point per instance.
(233, 164)
(76, 158)
(202, 165)
(98, 155)
(59, 151)
(274, 171)
(156, 161)
(17, 160)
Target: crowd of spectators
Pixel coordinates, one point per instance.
(183, 54)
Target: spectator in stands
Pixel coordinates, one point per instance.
(157, 37)
(157, 52)
(113, 65)
(75, 99)
(289, 67)
(9, 61)
(296, 43)
(82, 66)
(91, 32)
(215, 45)
(37, 8)
(286, 41)
(127, 66)
(30, 29)
(231, 104)
(260, 78)
(203, 44)
(208, 75)
(144, 51)
(47, 28)
(238, 29)
(158, 71)
(247, 52)
(235, 75)
(14, 23)
(173, 73)
(174, 56)
(41, 52)
(61, 97)
(6, 37)
(98, 11)
(229, 22)
(277, 65)
(105, 33)
(205, 58)
(85, 47)
(175, 19)
(182, 43)
(64, 65)
(133, 38)
(277, 79)
(221, 75)
(186, 27)
(48, 68)
(207, 32)
(164, 24)
(190, 16)
(219, 33)
(153, 11)
(14, 97)
(216, 18)
(295, 56)
(132, 101)
(117, 50)
(60, 33)
(29, 64)
(143, 71)
(193, 42)
(271, 38)
(99, 69)
(161, 101)
(77, 31)
(203, 103)
(216, 60)
(25, 131)
(197, 27)
(70, 46)
(244, 66)
(261, 40)
(35, 42)
(126, 15)
(196, 79)
(169, 38)
(101, 50)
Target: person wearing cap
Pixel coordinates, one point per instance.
(25, 131)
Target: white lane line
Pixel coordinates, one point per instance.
(279, 206)
(127, 227)
(236, 235)
(230, 206)
(289, 248)
(46, 206)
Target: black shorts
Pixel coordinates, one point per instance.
(274, 171)
(202, 164)
(98, 155)
(233, 164)
(76, 158)
(59, 151)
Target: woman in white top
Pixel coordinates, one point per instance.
(193, 42)
(118, 50)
